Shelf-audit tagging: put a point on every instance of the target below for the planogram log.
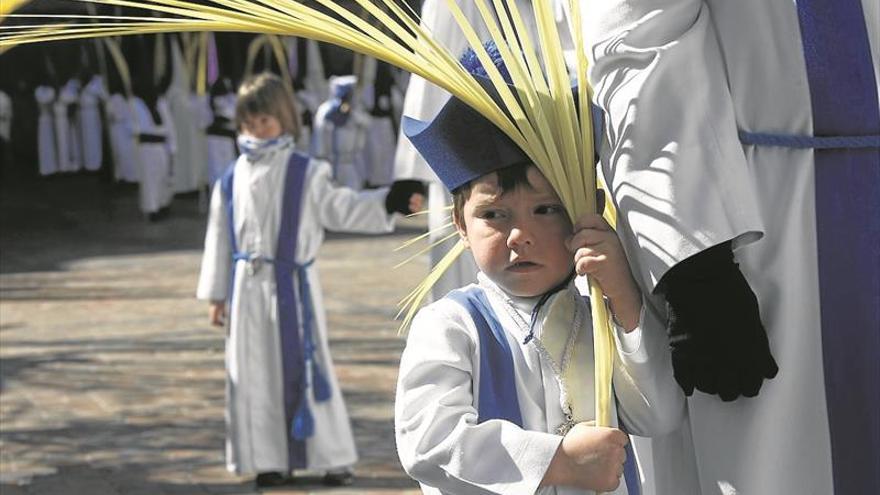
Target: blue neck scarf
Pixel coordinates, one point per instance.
(258, 149)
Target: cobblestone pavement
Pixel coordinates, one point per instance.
(111, 380)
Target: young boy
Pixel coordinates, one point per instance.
(492, 372)
(268, 217)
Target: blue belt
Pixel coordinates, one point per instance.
(315, 380)
(807, 142)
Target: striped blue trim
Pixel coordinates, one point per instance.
(808, 142)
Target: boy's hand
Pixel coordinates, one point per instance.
(217, 313)
(405, 196)
(589, 457)
(598, 253)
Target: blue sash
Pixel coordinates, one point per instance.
(301, 372)
(843, 94)
(498, 397)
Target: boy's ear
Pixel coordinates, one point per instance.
(462, 230)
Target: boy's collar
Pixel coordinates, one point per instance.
(524, 304)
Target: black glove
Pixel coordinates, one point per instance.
(400, 193)
(718, 343)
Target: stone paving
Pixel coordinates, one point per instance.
(111, 379)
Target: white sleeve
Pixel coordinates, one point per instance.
(319, 147)
(439, 441)
(675, 166)
(649, 400)
(342, 209)
(214, 278)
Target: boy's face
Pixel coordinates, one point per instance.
(518, 238)
(261, 126)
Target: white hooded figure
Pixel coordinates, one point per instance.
(46, 146)
(423, 100)
(91, 123)
(380, 144)
(191, 148)
(155, 151)
(67, 127)
(123, 141)
(221, 132)
(340, 133)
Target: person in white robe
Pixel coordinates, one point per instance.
(67, 128)
(47, 151)
(91, 123)
(376, 89)
(188, 173)
(422, 101)
(155, 151)
(5, 127)
(495, 407)
(267, 434)
(750, 124)
(340, 131)
(221, 131)
(123, 139)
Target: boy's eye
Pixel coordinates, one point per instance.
(548, 209)
(488, 214)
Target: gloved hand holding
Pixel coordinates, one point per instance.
(718, 343)
(405, 196)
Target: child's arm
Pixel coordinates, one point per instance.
(598, 253)
(650, 401)
(438, 438)
(217, 258)
(342, 209)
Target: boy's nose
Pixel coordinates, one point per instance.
(519, 237)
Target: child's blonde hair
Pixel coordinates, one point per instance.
(266, 93)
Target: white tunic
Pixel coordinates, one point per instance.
(423, 101)
(221, 148)
(91, 123)
(46, 146)
(438, 439)
(154, 158)
(123, 141)
(257, 431)
(67, 130)
(677, 80)
(347, 153)
(189, 171)
(5, 116)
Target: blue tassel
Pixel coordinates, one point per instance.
(320, 385)
(303, 425)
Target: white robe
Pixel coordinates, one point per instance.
(221, 149)
(123, 142)
(380, 143)
(47, 149)
(91, 123)
(5, 116)
(67, 131)
(439, 440)
(348, 156)
(257, 430)
(423, 101)
(188, 171)
(154, 159)
(677, 79)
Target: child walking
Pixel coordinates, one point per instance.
(267, 220)
(492, 372)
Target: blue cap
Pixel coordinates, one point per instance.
(461, 145)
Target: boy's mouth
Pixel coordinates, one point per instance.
(522, 266)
